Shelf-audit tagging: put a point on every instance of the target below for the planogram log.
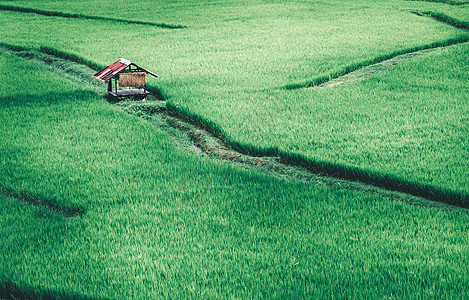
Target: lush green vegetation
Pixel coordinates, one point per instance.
(114, 209)
(415, 115)
(159, 221)
(225, 68)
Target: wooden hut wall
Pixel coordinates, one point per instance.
(132, 79)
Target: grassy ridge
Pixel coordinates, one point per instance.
(350, 68)
(448, 20)
(67, 210)
(71, 57)
(456, 15)
(380, 180)
(450, 2)
(191, 12)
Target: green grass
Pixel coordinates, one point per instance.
(415, 115)
(159, 221)
(224, 70)
(162, 222)
(80, 16)
(153, 220)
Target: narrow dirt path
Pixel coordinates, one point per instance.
(359, 72)
(205, 143)
(375, 69)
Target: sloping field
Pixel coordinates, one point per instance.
(222, 70)
(97, 203)
(154, 220)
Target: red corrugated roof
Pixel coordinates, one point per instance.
(111, 70)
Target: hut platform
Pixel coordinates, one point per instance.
(129, 93)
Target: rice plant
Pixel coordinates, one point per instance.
(100, 204)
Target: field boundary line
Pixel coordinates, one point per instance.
(449, 2)
(52, 205)
(376, 69)
(14, 290)
(205, 143)
(54, 52)
(323, 168)
(442, 18)
(325, 79)
(81, 16)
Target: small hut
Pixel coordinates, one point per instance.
(125, 79)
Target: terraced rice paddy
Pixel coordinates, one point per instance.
(97, 203)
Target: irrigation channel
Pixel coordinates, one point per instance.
(193, 138)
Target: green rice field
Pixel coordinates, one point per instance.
(97, 203)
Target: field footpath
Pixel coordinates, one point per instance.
(375, 69)
(361, 71)
(205, 143)
(210, 143)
